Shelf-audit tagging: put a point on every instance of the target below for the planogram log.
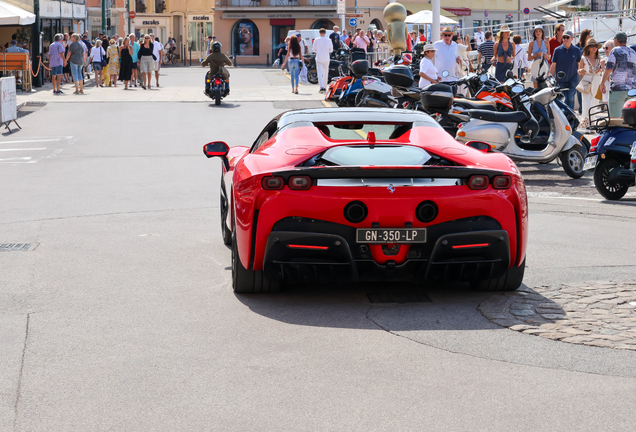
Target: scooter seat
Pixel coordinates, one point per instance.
(499, 117)
(478, 105)
(618, 122)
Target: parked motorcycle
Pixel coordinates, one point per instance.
(613, 153)
(338, 63)
(518, 133)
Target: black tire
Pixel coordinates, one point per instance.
(249, 281)
(573, 161)
(361, 98)
(217, 97)
(509, 281)
(602, 183)
(226, 233)
(312, 76)
(586, 143)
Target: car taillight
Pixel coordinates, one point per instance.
(300, 183)
(478, 182)
(272, 183)
(594, 143)
(502, 182)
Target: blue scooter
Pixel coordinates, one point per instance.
(613, 153)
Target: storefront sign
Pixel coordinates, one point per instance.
(153, 22)
(458, 11)
(79, 11)
(8, 107)
(49, 9)
(201, 18)
(67, 10)
(275, 15)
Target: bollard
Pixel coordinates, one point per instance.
(268, 60)
(190, 58)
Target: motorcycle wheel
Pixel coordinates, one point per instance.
(573, 161)
(312, 76)
(217, 97)
(602, 183)
(361, 100)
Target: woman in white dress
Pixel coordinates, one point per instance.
(428, 73)
(590, 70)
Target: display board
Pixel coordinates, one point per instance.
(8, 105)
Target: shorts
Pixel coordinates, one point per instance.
(146, 64)
(616, 101)
(76, 71)
(56, 70)
(157, 65)
(134, 65)
(97, 66)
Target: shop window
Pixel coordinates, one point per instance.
(326, 24)
(198, 33)
(140, 6)
(245, 40)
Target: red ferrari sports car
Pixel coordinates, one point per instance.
(367, 194)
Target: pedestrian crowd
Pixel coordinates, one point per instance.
(72, 58)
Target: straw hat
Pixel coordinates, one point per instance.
(447, 30)
(591, 42)
(429, 47)
(504, 28)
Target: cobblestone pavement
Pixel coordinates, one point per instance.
(601, 314)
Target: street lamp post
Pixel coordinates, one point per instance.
(103, 16)
(435, 25)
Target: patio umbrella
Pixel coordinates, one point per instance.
(13, 15)
(426, 17)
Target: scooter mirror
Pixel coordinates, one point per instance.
(631, 93)
(445, 74)
(561, 75)
(510, 74)
(483, 78)
(517, 89)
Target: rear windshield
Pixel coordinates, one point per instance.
(358, 131)
(377, 155)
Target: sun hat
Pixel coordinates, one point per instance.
(429, 47)
(538, 26)
(447, 30)
(591, 42)
(504, 28)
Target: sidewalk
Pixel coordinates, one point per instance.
(183, 85)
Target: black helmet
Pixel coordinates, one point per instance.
(216, 47)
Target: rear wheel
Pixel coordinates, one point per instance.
(602, 182)
(509, 281)
(312, 76)
(573, 161)
(217, 97)
(361, 98)
(249, 281)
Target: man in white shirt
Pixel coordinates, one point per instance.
(480, 37)
(303, 47)
(157, 50)
(446, 57)
(322, 47)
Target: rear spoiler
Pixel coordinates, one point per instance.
(340, 172)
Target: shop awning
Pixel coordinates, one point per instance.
(13, 15)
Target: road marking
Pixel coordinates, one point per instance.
(23, 149)
(34, 141)
(362, 133)
(16, 159)
(327, 104)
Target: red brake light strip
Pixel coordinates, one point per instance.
(292, 246)
(478, 245)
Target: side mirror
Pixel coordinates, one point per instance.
(561, 75)
(631, 93)
(480, 145)
(445, 74)
(510, 74)
(517, 89)
(216, 149)
(483, 78)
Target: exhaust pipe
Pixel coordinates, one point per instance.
(376, 103)
(355, 211)
(622, 176)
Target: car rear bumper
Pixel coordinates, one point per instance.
(465, 250)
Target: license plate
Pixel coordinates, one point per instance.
(391, 235)
(590, 163)
(633, 151)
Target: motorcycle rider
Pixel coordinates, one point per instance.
(217, 60)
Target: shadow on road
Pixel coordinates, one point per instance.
(349, 306)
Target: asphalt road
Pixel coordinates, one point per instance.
(123, 317)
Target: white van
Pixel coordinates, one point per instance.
(308, 36)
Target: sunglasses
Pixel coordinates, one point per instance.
(566, 37)
(447, 35)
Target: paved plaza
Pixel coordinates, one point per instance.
(117, 311)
